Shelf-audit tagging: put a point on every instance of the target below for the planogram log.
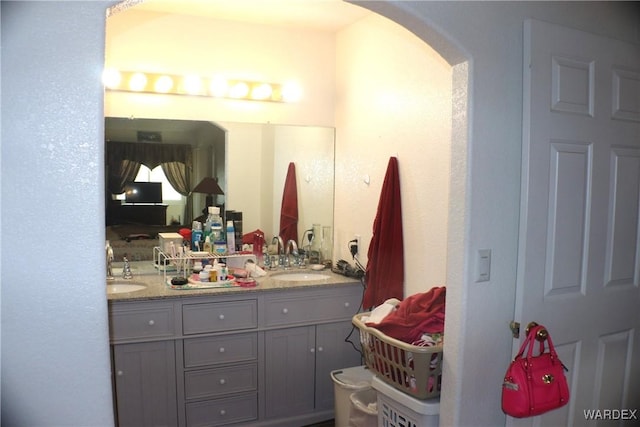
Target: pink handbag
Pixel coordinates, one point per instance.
(534, 385)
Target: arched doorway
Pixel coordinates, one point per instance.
(455, 57)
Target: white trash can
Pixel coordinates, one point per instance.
(345, 382)
(364, 408)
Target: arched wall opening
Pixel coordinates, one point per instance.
(454, 238)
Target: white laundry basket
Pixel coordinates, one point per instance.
(398, 409)
(345, 382)
(364, 408)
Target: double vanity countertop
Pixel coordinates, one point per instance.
(144, 273)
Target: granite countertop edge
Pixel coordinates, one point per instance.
(156, 289)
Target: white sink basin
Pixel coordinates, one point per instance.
(300, 277)
(121, 287)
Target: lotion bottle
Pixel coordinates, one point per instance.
(231, 237)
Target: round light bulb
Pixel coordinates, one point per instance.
(239, 90)
(192, 85)
(261, 91)
(218, 86)
(291, 92)
(163, 84)
(111, 78)
(137, 82)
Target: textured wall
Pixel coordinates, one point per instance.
(55, 354)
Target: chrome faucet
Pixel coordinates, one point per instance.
(109, 251)
(279, 248)
(280, 244)
(126, 270)
(291, 248)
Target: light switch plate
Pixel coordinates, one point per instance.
(483, 265)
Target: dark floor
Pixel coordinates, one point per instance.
(329, 423)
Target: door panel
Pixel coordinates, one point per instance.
(578, 263)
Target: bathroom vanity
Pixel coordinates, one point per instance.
(256, 356)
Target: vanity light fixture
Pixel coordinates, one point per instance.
(193, 85)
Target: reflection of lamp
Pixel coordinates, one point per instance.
(210, 187)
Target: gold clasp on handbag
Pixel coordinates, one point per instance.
(547, 378)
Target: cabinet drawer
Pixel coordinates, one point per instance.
(221, 349)
(308, 307)
(221, 412)
(219, 316)
(207, 383)
(141, 321)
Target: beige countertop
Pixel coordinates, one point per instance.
(146, 274)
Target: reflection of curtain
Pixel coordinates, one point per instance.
(176, 161)
(149, 154)
(179, 176)
(120, 173)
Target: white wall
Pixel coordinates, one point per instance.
(54, 332)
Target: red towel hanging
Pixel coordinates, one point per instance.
(289, 209)
(384, 275)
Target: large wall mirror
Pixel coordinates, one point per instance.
(249, 161)
(246, 146)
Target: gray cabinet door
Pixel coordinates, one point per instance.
(145, 381)
(332, 353)
(290, 371)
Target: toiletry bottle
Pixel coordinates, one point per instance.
(219, 245)
(215, 271)
(208, 247)
(196, 236)
(231, 237)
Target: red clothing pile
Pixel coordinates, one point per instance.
(416, 315)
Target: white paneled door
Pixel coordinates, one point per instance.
(579, 257)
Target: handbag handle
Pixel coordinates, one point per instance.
(531, 338)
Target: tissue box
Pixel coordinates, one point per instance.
(166, 239)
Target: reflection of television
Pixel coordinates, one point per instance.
(143, 192)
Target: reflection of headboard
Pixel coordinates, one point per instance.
(136, 241)
(138, 214)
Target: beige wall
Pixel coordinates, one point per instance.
(156, 42)
(394, 99)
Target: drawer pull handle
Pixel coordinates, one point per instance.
(221, 350)
(346, 304)
(312, 350)
(285, 310)
(221, 317)
(152, 322)
(222, 381)
(320, 349)
(223, 412)
(120, 373)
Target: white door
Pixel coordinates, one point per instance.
(579, 257)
